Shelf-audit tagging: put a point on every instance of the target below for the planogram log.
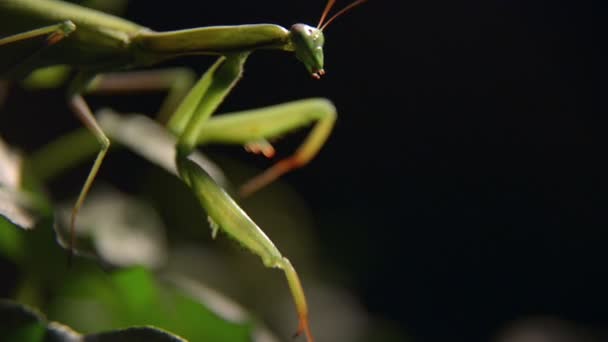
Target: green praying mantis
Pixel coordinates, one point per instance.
(101, 48)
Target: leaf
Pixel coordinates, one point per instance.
(47, 78)
(21, 323)
(143, 334)
(98, 301)
(220, 305)
(152, 141)
(15, 205)
(117, 228)
(10, 240)
(24, 324)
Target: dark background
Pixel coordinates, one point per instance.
(464, 185)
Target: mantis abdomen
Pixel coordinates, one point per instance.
(101, 41)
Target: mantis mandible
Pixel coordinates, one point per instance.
(38, 34)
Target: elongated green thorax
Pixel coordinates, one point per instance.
(215, 40)
(308, 43)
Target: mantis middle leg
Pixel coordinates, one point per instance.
(257, 125)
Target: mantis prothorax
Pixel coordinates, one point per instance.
(37, 34)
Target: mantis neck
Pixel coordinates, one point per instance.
(214, 40)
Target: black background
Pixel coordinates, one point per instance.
(465, 172)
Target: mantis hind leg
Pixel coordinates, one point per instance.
(84, 114)
(176, 81)
(82, 111)
(18, 45)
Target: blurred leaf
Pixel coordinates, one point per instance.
(15, 204)
(21, 323)
(152, 141)
(119, 229)
(97, 301)
(546, 329)
(143, 334)
(47, 78)
(220, 305)
(21, 207)
(10, 240)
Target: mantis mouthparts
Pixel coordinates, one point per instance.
(317, 75)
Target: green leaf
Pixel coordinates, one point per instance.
(21, 202)
(22, 205)
(152, 141)
(10, 240)
(119, 229)
(136, 334)
(15, 205)
(24, 324)
(97, 301)
(20, 323)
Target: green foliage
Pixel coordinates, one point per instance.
(92, 300)
(132, 297)
(115, 303)
(21, 323)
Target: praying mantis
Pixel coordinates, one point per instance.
(101, 49)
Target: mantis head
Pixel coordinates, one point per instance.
(308, 41)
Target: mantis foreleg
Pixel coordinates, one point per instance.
(188, 124)
(224, 212)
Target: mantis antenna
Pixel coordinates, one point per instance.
(330, 3)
